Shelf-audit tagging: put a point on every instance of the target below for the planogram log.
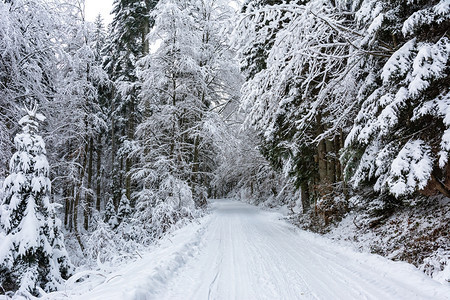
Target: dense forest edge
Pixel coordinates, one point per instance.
(113, 136)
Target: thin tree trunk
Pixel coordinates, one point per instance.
(77, 198)
(66, 207)
(99, 175)
(305, 197)
(89, 199)
(71, 207)
(321, 154)
(331, 165)
(338, 167)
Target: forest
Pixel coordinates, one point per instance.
(113, 135)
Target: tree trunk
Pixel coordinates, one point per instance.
(78, 196)
(331, 165)
(89, 199)
(306, 205)
(130, 136)
(67, 207)
(322, 161)
(195, 163)
(338, 167)
(99, 175)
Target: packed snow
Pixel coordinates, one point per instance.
(239, 251)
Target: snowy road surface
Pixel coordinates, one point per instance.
(242, 252)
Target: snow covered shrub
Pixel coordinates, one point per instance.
(438, 265)
(32, 252)
(165, 217)
(101, 243)
(110, 245)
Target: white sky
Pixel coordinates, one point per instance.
(104, 7)
(94, 7)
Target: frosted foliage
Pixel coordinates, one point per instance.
(110, 214)
(179, 193)
(28, 219)
(366, 167)
(407, 77)
(440, 106)
(429, 64)
(312, 76)
(368, 11)
(411, 169)
(376, 24)
(124, 209)
(438, 13)
(399, 64)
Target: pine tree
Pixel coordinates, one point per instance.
(33, 254)
(124, 210)
(110, 214)
(126, 44)
(399, 142)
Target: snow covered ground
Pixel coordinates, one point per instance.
(242, 252)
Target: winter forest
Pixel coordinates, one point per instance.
(113, 136)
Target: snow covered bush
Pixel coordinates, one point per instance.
(162, 210)
(32, 252)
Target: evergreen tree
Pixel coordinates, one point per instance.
(110, 214)
(33, 254)
(124, 210)
(126, 44)
(182, 81)
(399, 143)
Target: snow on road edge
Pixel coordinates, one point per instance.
(146, 276)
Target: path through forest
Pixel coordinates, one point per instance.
(242, 252)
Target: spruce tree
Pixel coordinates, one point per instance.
(110, 214)
(124, 210)
(126, 44)
(32, 255)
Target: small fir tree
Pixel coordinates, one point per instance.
(110, 214)
(32, 254)
(124, 207)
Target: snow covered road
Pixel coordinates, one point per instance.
(242, 252)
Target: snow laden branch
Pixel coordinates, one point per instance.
(313, 53)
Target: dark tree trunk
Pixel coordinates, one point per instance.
(99, 175)
(89, 199)
(331, 161)
(306, 205)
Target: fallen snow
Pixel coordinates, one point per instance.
(242, 252)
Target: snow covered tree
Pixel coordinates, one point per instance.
(32, 255)
(399, 142)
(299, 99)
(76, 117)
(182, 81)
(29, 35)
(124, 210)
(110, 214)
(126, 45)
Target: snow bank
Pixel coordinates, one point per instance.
(143, 278)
